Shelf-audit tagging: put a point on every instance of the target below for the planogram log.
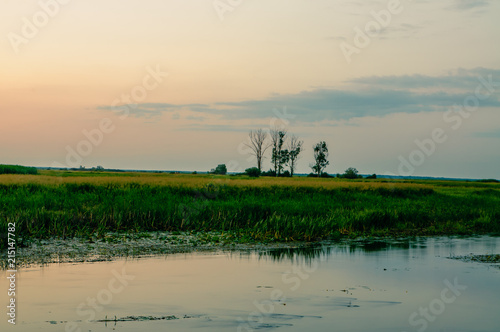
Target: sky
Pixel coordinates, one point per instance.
(393, 87)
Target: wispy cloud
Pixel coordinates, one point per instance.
(365, 96)
(469, 4)
(216, 128)
(149, 110)
(488, 134)
(404, 30)
(460, 79)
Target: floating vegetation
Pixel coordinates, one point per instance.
(493, 259)
(139, 318)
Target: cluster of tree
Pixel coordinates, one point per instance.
(220, 170)
(285, 150)
(351, 173)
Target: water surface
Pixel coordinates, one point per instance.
(405, 285)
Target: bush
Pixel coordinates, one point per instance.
(373, 176)
(488, 180)
(253, 172)
(323, 175)
(285, 174)
(268, 173)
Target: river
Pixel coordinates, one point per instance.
(397, 285)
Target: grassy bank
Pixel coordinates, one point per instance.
(81, 204)
(16, 169)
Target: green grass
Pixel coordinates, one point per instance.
(301, 209)
(16, 169)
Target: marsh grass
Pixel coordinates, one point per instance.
(16, 169)
(69, 204)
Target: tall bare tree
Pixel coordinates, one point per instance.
(294, 149)
(258, 145)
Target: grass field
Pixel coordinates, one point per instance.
(85, 204)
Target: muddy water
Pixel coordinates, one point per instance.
(406, 285)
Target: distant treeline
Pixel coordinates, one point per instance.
(16, 169)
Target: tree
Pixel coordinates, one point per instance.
(283, 159)
(258, 146)
(279, 155)
(320, 158)
(294, 149)
(220, 169)
(351, 173)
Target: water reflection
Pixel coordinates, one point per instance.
(359, 285)
(325, 249)
(295, 255)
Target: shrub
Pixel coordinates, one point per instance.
(285, 174)
(268, 173)
(253, 172)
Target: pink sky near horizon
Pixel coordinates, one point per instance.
(91, 52)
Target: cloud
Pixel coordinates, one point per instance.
(460, 79)
(404, 30)
(150, 110)
(216, 127)
(319, 105)
(365, 96)
(470, 4)
(488, 134)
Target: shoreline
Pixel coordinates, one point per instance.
(116, 246)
